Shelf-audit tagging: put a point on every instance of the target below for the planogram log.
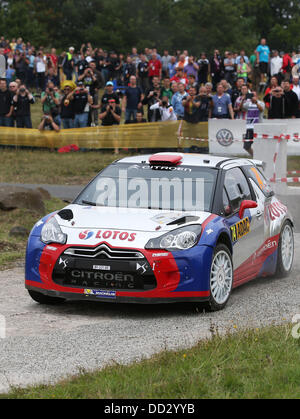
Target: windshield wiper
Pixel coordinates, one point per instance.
(93, 204)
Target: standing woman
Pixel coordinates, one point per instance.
(216, 69)
(243, 69)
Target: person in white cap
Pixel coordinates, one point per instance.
(68, 64)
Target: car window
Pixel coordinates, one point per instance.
(258, 177)
(237, 188)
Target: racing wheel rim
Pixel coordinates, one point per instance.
(287, 247)
(221, 277)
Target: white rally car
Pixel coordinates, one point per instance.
(169, 227)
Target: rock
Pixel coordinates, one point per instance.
(12, 197)
(45, 194)
(19, 232)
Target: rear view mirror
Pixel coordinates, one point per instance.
(246, 205)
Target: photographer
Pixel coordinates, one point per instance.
(192, 103)
(152, 96)
(110, 113)
(166, 110)
(67, 109)
(255, 113)
(21, 102)
(50, 102)
(92, 80)
(277, 103)
(81, 101)
(48, 124)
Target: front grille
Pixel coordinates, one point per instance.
(104, 252)
(104, 268)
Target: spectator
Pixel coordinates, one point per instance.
(172, 67)
(216, 68)
(255, 111)
(21, 65)
(165, 60)
(191, 68)
(110, 113)
(222, 105)
(209, 89)
(287, 66)
(296, 86)
(152, 96)
(275, 65)
(132, 101)
(244, 56)
(230, 68)
(192, 83)
(52, 77)
(273, 84)
(203, 71)
(180, 77)
(68, 64)
(263, 59)
(277, 103)
(239, 110)
(142, 71)
(174, 87)
(10, 74)
(177, 101)
(6, 106)
(291, 101)
(205, 104)
(139, 118)
(237, 90)
(21, 102)
(67, 109)
(166, 88)
(50, 101)
(81, 65)
(48, 124)
(155, 68)
(30, 69)
(165, 108)
(40, 68)
(81, 102)
(129, 70)
(191, 104)
(243, 69)
(109, 94)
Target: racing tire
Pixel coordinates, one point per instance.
(286, 248)
(221, 278)
(45, 299)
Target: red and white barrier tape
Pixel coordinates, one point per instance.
(286, 180)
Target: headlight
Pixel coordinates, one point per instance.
(51, 233)
(180, 239)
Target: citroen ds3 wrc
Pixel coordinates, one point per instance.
(169, 227)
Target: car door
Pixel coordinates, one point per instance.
(247, 234)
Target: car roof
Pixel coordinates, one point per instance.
(201, 160)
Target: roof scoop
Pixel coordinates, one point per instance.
(184, 220)
(162, 159)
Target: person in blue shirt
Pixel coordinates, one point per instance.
(177, 101)
(263, 58)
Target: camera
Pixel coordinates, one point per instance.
(164, 103)
(22, 90)
(249, 96)
(51, 90)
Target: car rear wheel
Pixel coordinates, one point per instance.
(221, 278)
(45, 299)
(285, 250)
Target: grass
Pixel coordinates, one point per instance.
(13, 248)
(261, 363)
(44, 167)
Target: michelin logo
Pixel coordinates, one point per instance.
(101, 293)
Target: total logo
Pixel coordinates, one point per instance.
(85, 235)
(108, 234)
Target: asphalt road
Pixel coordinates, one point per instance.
(45, 344)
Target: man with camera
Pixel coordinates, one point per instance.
(152, 96)
(166, 110)
(92, 80)
(50, 102)
(48, 124)
(6, 107)
(254, 109)
(21, 102)
(110, 113)
(82, 101)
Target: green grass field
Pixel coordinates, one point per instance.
(45, 167)
(261, 363)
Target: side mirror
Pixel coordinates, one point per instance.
(246, 205)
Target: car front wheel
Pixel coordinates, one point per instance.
(285, 250)
(221, 278)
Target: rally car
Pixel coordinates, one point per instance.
(162, 228)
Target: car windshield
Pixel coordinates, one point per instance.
(180, 188)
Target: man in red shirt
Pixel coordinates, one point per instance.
(155, 68)
(180, 77)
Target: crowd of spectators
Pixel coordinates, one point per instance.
(143, 86)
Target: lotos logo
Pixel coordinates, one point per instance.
(85, 235)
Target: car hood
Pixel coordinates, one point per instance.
(123, 226)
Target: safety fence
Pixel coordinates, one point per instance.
(132, 136)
